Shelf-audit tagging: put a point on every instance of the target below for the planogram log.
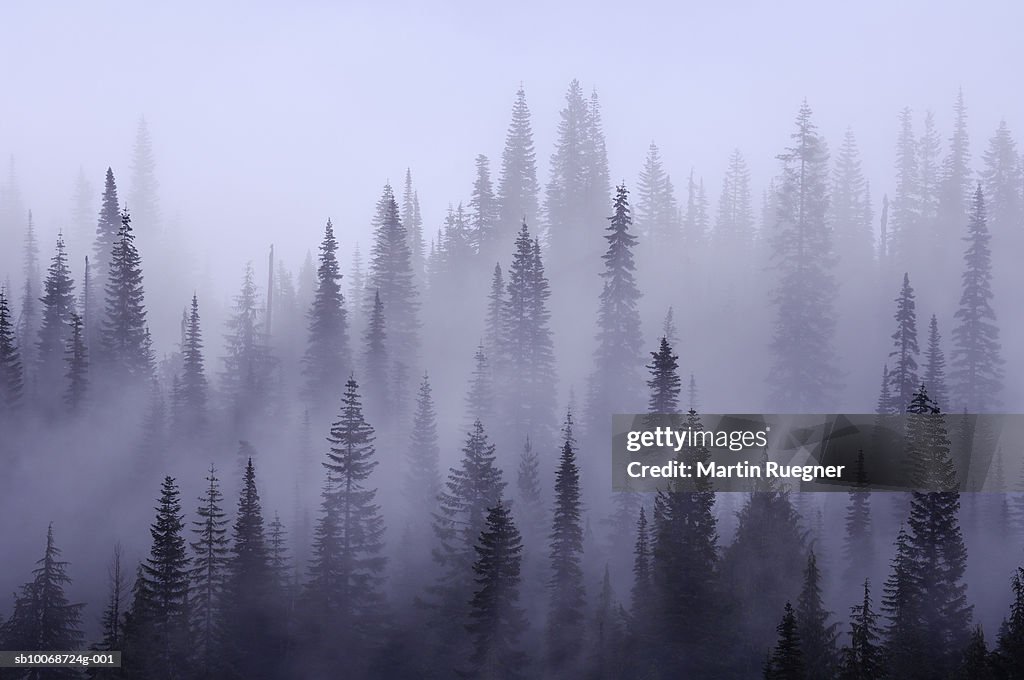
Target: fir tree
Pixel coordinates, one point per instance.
(11, 375)
(58, 306)
(530, 507)
(112, 619)
(935, 366)
(483, 210)
(375, 362)
(28, 319)
(422, 481)
(850, 210)
(928, 164)
(346, 573)
(248, 363)
(518, 188)
(494, 324)
(480, 398)
(1009, 651)
(905, 349)
(976, 662)
(208, 576)
(495, 619)
(618, 356)
(664, 381)
(190, 397)
(1001, 181)
(277, 554)
(78, 366)
(108, 228)
(905, 221)
(391, 277)
(786, 661)
(817, 635)
(565, 629)
(863, 659)
(564, 203)
(356, 288)
(643, 598)
(885, 405)
(43, 619)
(327, 358)
(977, 373)
(957, 177)
(858, 544)
(414, 226)
(803, 374)
(734, 227)
(124, 338)
(656, 204)
(144, 186)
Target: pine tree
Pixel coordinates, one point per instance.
(935, 366)
(928, 148)
(356, 289)
(414, 226)
(495, 619)
(87, 303)
(124, 338)
(664, 381)
(565, 629)
(530, 505)
(817, 635)
(145, 186)
(108, 228)
(248, 363)
(957, 177)
(518, 188)
(375, 362)
(1001, 180)
(494, 324)
(885, 404)
(786, 661)
(422, 480)
(391, 277)
(977, 373)
(695, 217)
(850, 211)
(208, 576)
(905, 349)
(656, 205)
(43, 619)
(58, 306)
(28, 319)
(112, 619)
(734, 227)
(483, 210)
(618, 356)
(858, 544)
(11, 375)
(158, 638)
(564, 201)
(327, 357)
(863, 659)
(277, 555)
(77, 360)
(803, 373)
(1009, 652)
(905, 233)
(480, 397)
(346, 573)
(643, 597)
(976, 662)
(190, 397)
(249, 619)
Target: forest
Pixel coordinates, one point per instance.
(396, 464)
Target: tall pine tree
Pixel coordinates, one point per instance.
(327, 359)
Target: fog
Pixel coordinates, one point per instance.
(253, 124)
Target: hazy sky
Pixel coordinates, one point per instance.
(268, 117)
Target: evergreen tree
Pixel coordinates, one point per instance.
(885, 404)
(1009, 651)
(905, 233)
(858, 544)
(190, 397)
(1001, 180)
(786, 661)
(87, 303)
(734, 227)
(158, 640)
(43, 619)
(935, 366)
(976, 663)
(803, 373)
(11, 375)
(356, 289)
(656, 205)
(863, 659)
(518, 188)
(249, 632)
(112, 619)
(530, 507)
(124, 338)
(618, 355)
(817, 635)
(643, 597)
(58, 306)
(422, 481)
(145, 186)
(483, 210)
(494, 324)
(346, 572)
(664, 381)
(977, 373)
(495, 619)
(28, 318)
(327, 358)
(375, 362)
(928, 163)
(905, 349)
(108, 228)
(565, 629)
(850, 211)
(480, 398)
(78, 366)
(957, 181)
(248, 363)
(391, 277)
(414, 226)
(208, 576)
(277, 555)
(695, 217)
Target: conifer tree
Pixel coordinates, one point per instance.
(414, 226)
(664, 381)
(529, 506)
(144, 184)
(564, 201)
(957, 181)
(87, 303)
(277, 555)
(28, 317)
(928, 163)
(803, 373)
(618, 356)
(159, 638)
(250, 621)
(565, 629)
(108, 228)
(1001, 181)
(817, 635)
(935, 366)
(850, 210)
(190, 397)
(55, 327)
(858, 546)
(976, 662)
(495, 619)
(375, 362)
(327, 358)
(77, 360)
(391, 277)
(124, 338)
(656, 205)
(786, 661)
(1009, 651)
(483, 210)
(480, 397)
(346, 573)
(885, 404)
(643, 598)
(905, 230)
(43, 619)
(905, 349)
(208, 576)
(422, 481)
(248, 363)
(863, 659)
(695, 216)
(734, 226)
(518, 188)
(494, 324)
(112, 619)
(977, 374)
(11, 375)
(356, 289)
